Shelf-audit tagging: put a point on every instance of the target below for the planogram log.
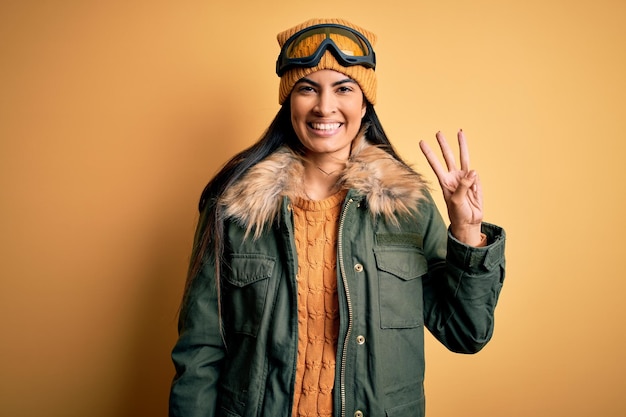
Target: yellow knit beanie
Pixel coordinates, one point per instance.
(365, 77)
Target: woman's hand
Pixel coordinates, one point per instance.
(461, 190)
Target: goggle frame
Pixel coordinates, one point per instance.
(284, 63)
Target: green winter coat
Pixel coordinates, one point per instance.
(398, 270)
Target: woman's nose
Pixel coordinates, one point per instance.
(326, 103)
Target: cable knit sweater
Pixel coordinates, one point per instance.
(316, 224)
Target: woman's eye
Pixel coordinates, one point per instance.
(305, 89)
(344, 89)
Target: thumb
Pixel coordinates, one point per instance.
(464, 185)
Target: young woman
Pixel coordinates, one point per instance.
(320, 256)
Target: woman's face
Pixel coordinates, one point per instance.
(326, 111)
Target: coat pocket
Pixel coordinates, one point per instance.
(413, 409)
(400, 287)
(245, 291)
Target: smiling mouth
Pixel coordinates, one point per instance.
(325, 126)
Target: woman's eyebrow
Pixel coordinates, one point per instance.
(314, 84)
(347, 80)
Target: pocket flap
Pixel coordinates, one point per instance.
(404, 263)
(247, 269)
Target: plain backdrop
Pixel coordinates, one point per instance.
(114, 115)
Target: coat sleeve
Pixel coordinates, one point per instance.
(199, 350)
(462, 286)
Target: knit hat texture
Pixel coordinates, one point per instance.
(365, 77)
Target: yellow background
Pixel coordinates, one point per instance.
(113, 116)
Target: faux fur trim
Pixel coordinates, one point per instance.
(389, 187)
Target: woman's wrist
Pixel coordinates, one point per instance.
(470, 234)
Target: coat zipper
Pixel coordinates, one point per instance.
(344, 279)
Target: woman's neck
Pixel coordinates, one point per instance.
(320, 178)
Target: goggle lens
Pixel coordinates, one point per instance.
(307, 43)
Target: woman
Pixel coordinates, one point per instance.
(320, 256)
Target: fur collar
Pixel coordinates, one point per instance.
(390, 188)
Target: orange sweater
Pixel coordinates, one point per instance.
(316, 225)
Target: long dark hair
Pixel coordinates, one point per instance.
(209, 240)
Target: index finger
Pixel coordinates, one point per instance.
(464, 151)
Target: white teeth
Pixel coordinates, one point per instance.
(325, 126)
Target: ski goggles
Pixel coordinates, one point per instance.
(306, 48)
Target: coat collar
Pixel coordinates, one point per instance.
(389, 187)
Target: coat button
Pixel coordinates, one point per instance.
(358, 413)
(360, 339)
(358, 268)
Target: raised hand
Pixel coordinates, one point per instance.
(461, 187)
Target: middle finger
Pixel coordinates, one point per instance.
(447, 153)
